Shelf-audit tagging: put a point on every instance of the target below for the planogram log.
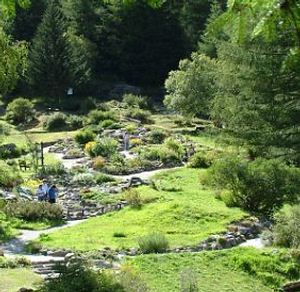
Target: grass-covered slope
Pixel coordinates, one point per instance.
(183, 211)
(235, 270)
(13, 279)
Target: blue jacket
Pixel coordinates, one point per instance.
(52, 193)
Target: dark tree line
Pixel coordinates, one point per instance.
(81, 43)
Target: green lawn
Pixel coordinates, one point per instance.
(20, 139)
(235, 270)
(13, 279)
(184, 211)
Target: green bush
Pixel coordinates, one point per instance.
(84, 179)
(75, 122)
(9, 176)
(133, 198)
(101, 178)
(157, 136)
(34, 211)
(56, 168)
(84, 136)
(153, 243)
(78, 276)
(56, 121)
(105, 147)
(33, 247)
(107, 123)
(261, 186)
(136, 100)
(20, 110)
(174, 146)
(9, 151)
(97, 116)
(199, 160)
(286, 230)
(14, 262)
(140, 115)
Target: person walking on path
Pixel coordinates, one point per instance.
(52, 193)
(45, 189)
(126, 141)
(40, 193)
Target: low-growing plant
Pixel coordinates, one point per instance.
(84, 179)
(20, 110)
(84, 136)
(75, 122)
(33, 211)
(119, 234)
(199, 160)
(136, 100)
(56, 168)
(140, 115)
(104, 147)
(107, 123)
(157, 136)
(101, 178)
(56, 121)
(98, 162)
(9, 176)
(97, 116)
(133, 198)
(286, 231)
(78, 276)
(9, 151)
(33, 247)
(174, 146)
(153, 243)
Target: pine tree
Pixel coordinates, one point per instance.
(50, 63)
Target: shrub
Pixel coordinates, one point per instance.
(19, 111)
(9, 151)
(260, 186)
(151, 154)
(56, 168)
(88, 148)
(287, 228)
(136, 100)
(119, 234)
(107, 123)
(78, 276)
(153, 243)
(84, 137)
(168, 157)
(56, 121)
(199, 160)
(75, 122)
(135, 142)
(9, 176)
(104, 147)
(98, 162)
(97, 116)
(133, 198)
(33, 211)
(157, 136)
(101, 178)
(139, 114)
(174, 146)
(33, 247)
(84, 179)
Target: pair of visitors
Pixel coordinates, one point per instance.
(46, 193)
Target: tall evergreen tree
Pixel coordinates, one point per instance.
(50, 66)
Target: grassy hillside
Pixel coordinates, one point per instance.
(183, 211)
(236, 270)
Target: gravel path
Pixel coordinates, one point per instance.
(15, 246)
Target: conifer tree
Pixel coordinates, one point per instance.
(50, 63)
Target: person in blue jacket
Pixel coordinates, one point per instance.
(52, 194)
